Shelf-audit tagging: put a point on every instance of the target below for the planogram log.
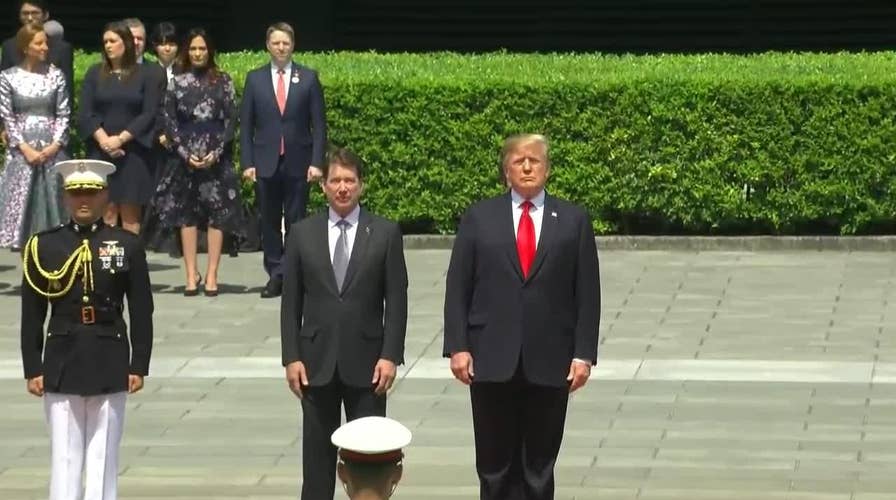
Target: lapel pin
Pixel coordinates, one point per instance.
(367, 230)
(295, 76)
(553, 214)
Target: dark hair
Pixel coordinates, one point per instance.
(129, 58)
(347, 158)
(25, 35)
(40, 4)
(184, 54)
(163, 33)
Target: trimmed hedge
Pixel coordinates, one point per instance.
(680, 144)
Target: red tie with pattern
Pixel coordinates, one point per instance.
(281, 103)
(525, 239)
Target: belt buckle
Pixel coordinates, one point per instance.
(88, 315)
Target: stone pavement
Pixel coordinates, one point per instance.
(722, 375)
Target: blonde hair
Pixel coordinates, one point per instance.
(517, 140)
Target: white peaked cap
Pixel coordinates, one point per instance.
(84, 174)
(372, 439)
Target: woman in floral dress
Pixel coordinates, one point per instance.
(200, 118)
(34, 107)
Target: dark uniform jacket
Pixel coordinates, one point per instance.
(88, 349)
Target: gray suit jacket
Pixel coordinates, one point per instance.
(349, 330)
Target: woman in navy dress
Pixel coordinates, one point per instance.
(203, 189)
(119, 102)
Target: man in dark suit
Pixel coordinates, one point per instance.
(60, 54)
(343, 316)
(282, 140)
(522, 306)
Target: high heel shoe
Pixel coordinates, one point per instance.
(194, 292)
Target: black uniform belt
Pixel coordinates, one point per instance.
(87, 315)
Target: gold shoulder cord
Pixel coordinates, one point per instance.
(82, 256)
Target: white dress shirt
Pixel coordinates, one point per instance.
(536, 212)
(287, 75)
(333, 230)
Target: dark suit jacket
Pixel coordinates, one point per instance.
(502, 319)
(303, 125)
(351, 330)
(60, 55)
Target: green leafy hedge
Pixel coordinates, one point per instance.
(703, 144)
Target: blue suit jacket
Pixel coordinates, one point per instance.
(303, 125)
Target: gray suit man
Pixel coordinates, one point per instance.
(343, 316)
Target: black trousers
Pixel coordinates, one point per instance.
(279, 196)
(321, 416)
(518, 429)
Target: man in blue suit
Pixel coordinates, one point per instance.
(283, 134)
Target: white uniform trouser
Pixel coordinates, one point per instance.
(84, 427)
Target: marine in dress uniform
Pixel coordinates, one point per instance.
(87, 362)
(370, 456)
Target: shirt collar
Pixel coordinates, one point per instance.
(537, 201)
(86, 228)
(286, 69)
(352, 218)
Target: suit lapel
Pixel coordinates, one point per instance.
(322, 246)
(359, 248)
(508, 233)
(546, 238)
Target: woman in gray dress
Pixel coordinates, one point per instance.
(35, 110)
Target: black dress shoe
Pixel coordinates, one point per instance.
(273, 289)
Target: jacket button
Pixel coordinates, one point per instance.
(49, 334)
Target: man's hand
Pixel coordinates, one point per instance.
(383, 376)
(314, 174)
(578, 375)
(117, 153)
(36, 385)
(296, 378)
(249, 173)
(462, 367)
(135, 383)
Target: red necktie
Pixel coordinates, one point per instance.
(281, 103)
(525, 239)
